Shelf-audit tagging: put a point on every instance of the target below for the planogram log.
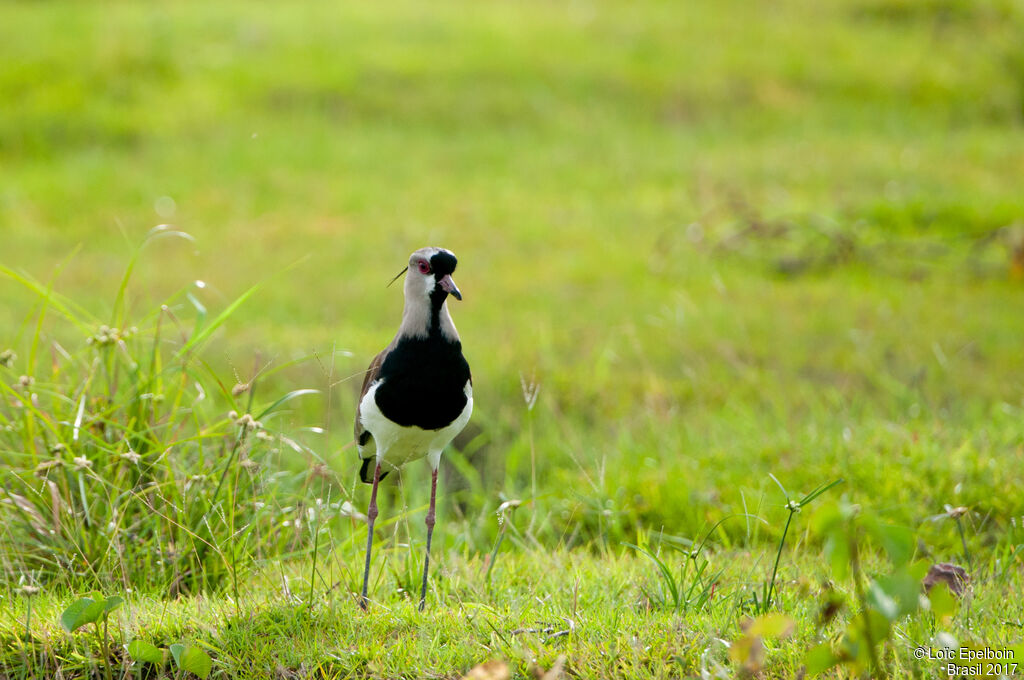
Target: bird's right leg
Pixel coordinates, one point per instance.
(371, 515)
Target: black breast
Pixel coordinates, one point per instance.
(423, 382)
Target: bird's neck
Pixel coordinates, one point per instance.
(423, 319)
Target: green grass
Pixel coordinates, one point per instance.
(612, 630)
(727, 240)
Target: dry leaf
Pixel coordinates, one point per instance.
(489, 670)
(748, 652)
(953, 576)
(555, 673)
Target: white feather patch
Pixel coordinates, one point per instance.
(398, 444)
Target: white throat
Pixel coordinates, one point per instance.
(416, 317)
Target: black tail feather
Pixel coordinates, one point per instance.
(366, 471)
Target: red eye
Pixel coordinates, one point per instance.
(423, 267)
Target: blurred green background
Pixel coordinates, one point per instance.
(726, 238)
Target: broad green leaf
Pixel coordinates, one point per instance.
(880, 627)
(112, 603)
(773, 625)
(140, 650)
(918, 569)
(944, 603)
(193, 660)
(176, 650)
(854, 648)
(904, 589)
(897, 541)
(850, 649)
(847, 510)
(883, 602)
(820, 658)
(84, 611)
(837, 549)
(827, 520)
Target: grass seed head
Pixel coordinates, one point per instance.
(956, 512)
(43, 469)
(247, 422)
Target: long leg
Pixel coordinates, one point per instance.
(430, 533)
(371, 515)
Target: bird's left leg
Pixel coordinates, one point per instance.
(430, 533)
(371, 515)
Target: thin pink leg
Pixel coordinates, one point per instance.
(371, 515)
(430, 533)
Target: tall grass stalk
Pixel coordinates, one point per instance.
(793, 507)
(506, 514)
(531, 390)
(109, 439)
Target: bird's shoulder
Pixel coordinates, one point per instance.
(411, 356)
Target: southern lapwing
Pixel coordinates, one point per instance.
(418, 392)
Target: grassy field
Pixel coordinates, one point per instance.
(701, 245)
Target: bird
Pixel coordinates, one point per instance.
(417, 394)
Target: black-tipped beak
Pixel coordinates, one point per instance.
(449, 285)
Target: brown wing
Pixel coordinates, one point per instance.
(363, 436)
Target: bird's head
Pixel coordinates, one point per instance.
(430, 276)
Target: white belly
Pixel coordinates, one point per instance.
(397, 444)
